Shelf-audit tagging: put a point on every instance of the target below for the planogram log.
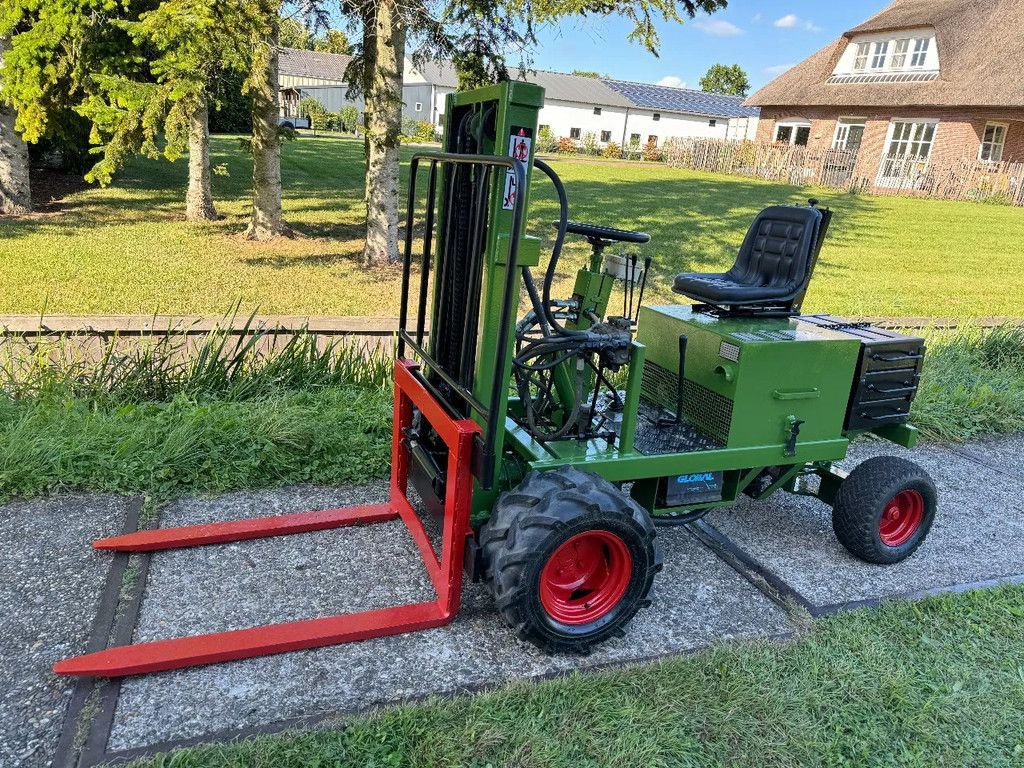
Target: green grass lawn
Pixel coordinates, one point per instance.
(126, 249)
(938, 682)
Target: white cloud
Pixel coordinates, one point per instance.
(672, 81)
(778, 69)
(792, 21)
(718, 28)
(757, 18)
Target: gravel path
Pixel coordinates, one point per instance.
(50, 585)
(698, 600)
(978, 532)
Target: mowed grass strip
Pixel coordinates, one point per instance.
(126, 249)
(937, 682)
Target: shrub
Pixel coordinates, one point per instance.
(546, 141)
(651, 151)
(319, 117)
(348, 119)
(589, 143)
(409, 126)
(425, 131)
(566, 146)
(612, 149)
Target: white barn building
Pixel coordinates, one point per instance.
(574, 105)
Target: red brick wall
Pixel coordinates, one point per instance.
(957, 137)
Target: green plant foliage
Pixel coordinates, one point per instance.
(935, 682)
(348, 119)
(188, 445)
(972, 384)
(546, 140)
(588, 144)
(727, 79)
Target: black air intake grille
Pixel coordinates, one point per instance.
(702, 407)
(659, 386)
(707, 409)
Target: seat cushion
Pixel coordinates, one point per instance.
(773, 264)
(714, 288)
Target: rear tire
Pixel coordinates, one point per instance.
(570, 559)
(884, 509)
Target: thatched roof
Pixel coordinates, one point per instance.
(980, 56)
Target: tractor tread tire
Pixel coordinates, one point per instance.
(530, 521)
(861, 500)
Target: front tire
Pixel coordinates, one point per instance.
(570, 559)
(884, 509)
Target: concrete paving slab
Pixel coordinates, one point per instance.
(51, 581)
(978, 533)
(698, 600)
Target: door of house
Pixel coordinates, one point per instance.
(849, 136)
(908, 150)
(842, 158)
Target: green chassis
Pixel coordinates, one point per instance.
(750, 448)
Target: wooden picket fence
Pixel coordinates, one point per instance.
(960, 180)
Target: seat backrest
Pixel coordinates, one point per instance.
(778, 248)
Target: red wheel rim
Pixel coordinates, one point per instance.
(585, 577)
(901, 518)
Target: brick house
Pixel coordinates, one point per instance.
(922, 84)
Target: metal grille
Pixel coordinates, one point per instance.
(654, 437)
(707, 409)
(660, 386)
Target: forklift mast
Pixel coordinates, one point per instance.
(472, 248)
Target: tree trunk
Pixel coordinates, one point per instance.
(15, 193)
(384, 50)
(266, 149)
(199, 199)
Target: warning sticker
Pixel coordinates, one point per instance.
(520, 142)
(508, 198)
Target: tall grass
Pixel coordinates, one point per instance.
(241, 365)
(972, 383)
(171, 414)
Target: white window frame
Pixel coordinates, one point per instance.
(419, 106)
(920, 55)
(847, 123)
(899, 53)
(604, 134)
(1000, 145)
(795, 125)
(578, 131)
(860, 61)
(922, 164)
(880, 54)
(597, 110)
(656, 116)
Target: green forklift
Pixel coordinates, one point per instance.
(539, 442)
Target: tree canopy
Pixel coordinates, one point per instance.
(727, 79)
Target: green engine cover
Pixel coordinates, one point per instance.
(749, 380)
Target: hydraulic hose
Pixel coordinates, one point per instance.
(556, 249)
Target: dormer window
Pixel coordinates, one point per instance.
(920, 56)
(881, 49)
(860, 63)
(899, 53)
(907, 56)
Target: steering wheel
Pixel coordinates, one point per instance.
(607, 234)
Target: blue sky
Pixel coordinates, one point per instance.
(762, 37)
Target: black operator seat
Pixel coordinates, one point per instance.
(773, 266)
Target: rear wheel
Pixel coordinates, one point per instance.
(884, 509)
(570, 559)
